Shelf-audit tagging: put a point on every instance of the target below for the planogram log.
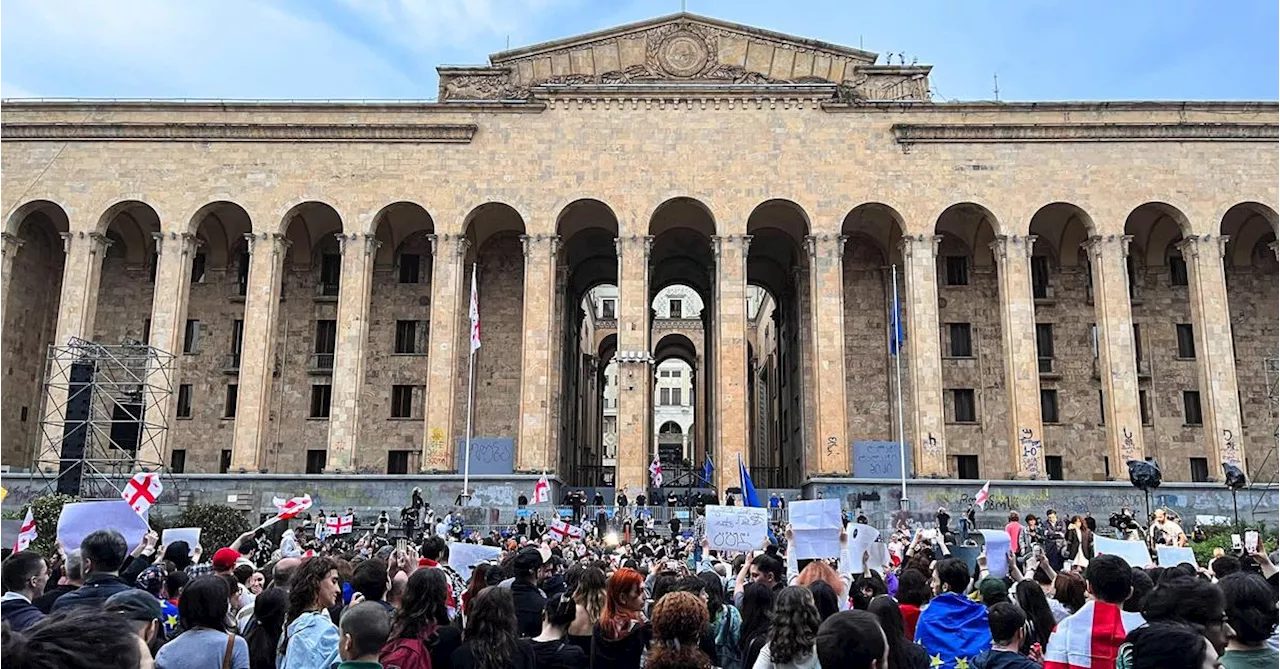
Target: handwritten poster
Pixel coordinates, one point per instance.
(191, 535)
(736, 528)
(462, 557)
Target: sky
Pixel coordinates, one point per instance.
(388, 49)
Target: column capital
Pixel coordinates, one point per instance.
(621, 241)
(1098, 244)
(98, 241)
(371, 242)
(823, 244)
(913, 244)
(633, 357)
(720, 243)
(1192, 246)
(1004, 243)
(279, 242)
(187, 241)
(531, 243)
(10, 242)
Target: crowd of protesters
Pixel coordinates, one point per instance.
(634, 599)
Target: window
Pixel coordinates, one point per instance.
(242, 274)
(676, 397)
(1137, 342)
(407, 337)
(229, 408)
(664, 397)
(664, 373)
(1049, 405)
(237, 343)
(224, 463)
(1102, 409)
(607, 309)
(1044, 347)
(316, 460)
(398, 462)
(402, 403)
(676, 373)
(320, 396)
(1106, 466)
(1040, 277)
(1199, 470)
(1053, 467)
(1191, 408)
(190, 337)
(146, 331)
(967, 466)
(326, 342)
(197, 268)
(675, 309)
(1144, 407)
(178, 461)
(330, 273)
(184, 400)
(1177, 270)
(1093, 339)
(961, 341)
(962, 406)
(410, 267)
(957, 270)
(1186, 341)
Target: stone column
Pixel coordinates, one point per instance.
(924, 354)
(258, 350)
(77, 309)
(1117, 357)
(635, 366)
(558, 411)
(533, 445)
(174, 251)
(359, 252)
(731, 357)
(1215, 348)
(450, 286)
(826, 288)
(1021, 359)
(9, 245)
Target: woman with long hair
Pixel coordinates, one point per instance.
(622, 634)
(825, 599)
(420, 628)
(490, 640)
(269, 610)
(903, 652)
(479, 581)
(1030, 598)
(678, 619)
(1068, 589)
(757, 615)
(588, 596)
(792, 633)
(725, 622)
(310, 638)
(1079, 543)
(819, 570)
(552, 646)
(913, 593)
(203, 610)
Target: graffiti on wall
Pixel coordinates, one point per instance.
(1030, 452)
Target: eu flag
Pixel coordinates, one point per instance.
(897, 331)
(749, 496)
(707, 470)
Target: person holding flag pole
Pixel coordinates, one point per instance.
(471, 385)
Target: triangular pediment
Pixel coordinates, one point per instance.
(678, 49)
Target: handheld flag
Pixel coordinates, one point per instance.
(707, 470)
(749, 496)
(27, 533)
(655, 472)
(542, 490)
(142, 491)
(954, 631)
(286, 509)
(475, 312)
(563, 530)
(981, 498)
(340, 524)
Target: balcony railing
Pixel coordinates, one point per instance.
(320, 362)
(231, 363)
(327, 289)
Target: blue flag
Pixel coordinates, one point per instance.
(749, 496)
(953, 630)
(897, 331)
(707, 470)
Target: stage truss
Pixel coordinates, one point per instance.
(126, 387)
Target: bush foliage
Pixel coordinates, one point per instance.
(220, 525)
(47, 509)
(1219, 536)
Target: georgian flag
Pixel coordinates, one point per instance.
(475, 312)
(1091, 637)
(655, 472)
(340, 524)
(142, 491)
(542, 490)
(27, 533)
(564, 530)
(981, 498)
(288, 509)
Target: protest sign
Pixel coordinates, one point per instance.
(878, 557)
(967, 553)
(1171, 556)
(1133, 552)
(862, 538)
(816, 525)
(997, 542)
(462, 557)
(736, 528)
(191, 535)
(79, 519)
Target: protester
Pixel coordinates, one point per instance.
(622, 635)
(101, 552)
(952, 629)
(311, 639)
(903, 652)
(371, 580)
(1091, 636)
(589, 597)
(678, 619)
(1069, 590)
(1165, 531)
(1008, 632)
(913, 594)
(724, 620)
(205, 641)
(143, 613)
(552, 647)
(1252, 614)
(1192, 600)
(852, 640)
(1040, 622)
(793, 631)
(79, 638)
(263, 635)
(24, 575)
(491, 639)
(362, 632)
(1167, 645)
(529, 600)
(757, 617)
(420, 634)
(1079, 543)
(72, 579)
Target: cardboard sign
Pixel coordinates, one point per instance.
(462, 557)
(1171, 556)
(997, 542)
(191, 535)
(816, 525)
(736, 528)
(1133, 552)
(80, 519)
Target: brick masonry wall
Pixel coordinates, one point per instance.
(868, 369)
(30, 317)
(497, 375)
(1253, 296)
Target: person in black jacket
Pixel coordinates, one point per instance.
(73, 574)
(528, 599)
(102, 553)
(24, 575)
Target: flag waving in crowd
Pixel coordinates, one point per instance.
(27, 533)
(655, 472)
(980, 499)
(286, 509)
(142, 491)
(542, 491)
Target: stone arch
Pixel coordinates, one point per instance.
(220, 226)
(1246, 226)
(876, 223)
(1060, 228)
(682, 212)
(670, 427)
(310, 228)
(130, 224)
(399, 226)
(52, 212)
(970, 227)
(1155, 228)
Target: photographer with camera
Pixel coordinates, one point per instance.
(1165, 531)
(1127, 528)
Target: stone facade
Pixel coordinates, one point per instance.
(661, 154)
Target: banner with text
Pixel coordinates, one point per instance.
(737, 528)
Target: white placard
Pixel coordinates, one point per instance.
(1133, 552)
(878, 558)
(997, 542)
(861, 538)
(462, 557)
(1171, 556)
(816, 527)
(79, 519)
(191, 535)
(737, 528)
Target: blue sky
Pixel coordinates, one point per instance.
(330, 49)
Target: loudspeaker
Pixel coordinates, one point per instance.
(75, 427)
(126, 426)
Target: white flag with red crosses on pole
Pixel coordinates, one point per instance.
(142, 491)
(980, 499)
(27, 533)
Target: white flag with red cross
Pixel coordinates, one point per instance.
(27, 533)
(286, 509)
(475, 312)
(981, 498)
(563, 530)
(341, 524)
(142, 491)
(542, 490)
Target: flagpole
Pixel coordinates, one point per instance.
(471, 396)
(897, 363)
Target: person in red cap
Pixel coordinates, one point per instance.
(224, 560)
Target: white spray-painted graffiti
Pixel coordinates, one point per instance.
(1030, 452)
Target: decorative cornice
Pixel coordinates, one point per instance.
(924, 133)
(457, 133)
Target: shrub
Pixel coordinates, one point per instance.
(220, 525)
(1219, 536)
(46, 509)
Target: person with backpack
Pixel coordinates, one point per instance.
(421, 636)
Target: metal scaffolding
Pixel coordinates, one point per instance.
(111, 398)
